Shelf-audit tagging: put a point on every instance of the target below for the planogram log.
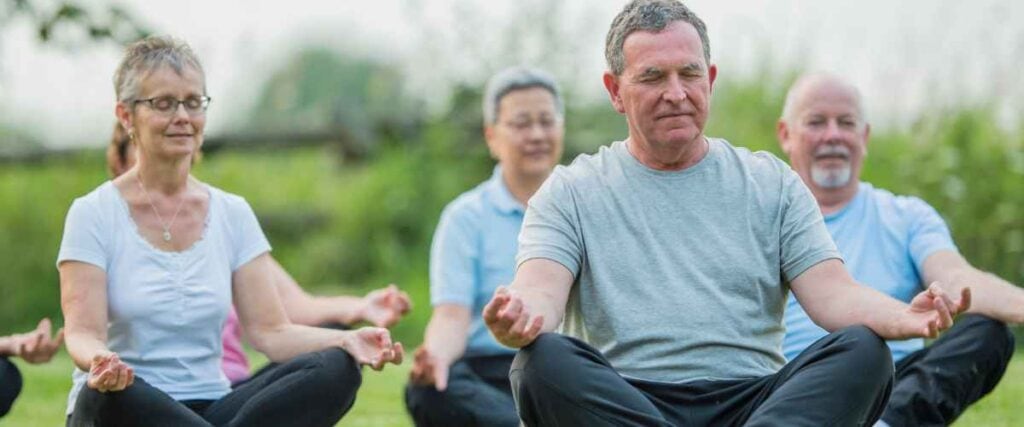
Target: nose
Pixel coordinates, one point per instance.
(832, 132)
(181, 114)
(674, 91)
(536, 132)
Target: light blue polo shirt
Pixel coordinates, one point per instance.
(884, 240)
(473, 252)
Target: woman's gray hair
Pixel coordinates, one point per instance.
(649, 15)
(518, 78)
(147, 55)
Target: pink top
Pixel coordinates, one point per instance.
(234, 364)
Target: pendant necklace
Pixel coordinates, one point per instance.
(167, 228)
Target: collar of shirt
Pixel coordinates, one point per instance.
(499, 195)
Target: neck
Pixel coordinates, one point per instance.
(668, 157)
(833, 200)
(522, 187)
(163, 177)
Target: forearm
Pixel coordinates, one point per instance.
(288, 340)
(990, 295)
(83, 347)
(543, 303)
(857, 304)
(7, 346)
(316, 311)
(446, 337)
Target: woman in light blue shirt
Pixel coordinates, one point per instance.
(150, 263)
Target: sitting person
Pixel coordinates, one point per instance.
(34, 347)
(150, 264)
(381, 307)
(665, 260)
(460, 373)
(898, 245)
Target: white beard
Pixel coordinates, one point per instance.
(831, 178)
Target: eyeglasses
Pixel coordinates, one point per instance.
(168, 105)
(546, 124)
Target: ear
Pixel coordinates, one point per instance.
(611, 83)
(124, 116)
(492, 143)
(782, 133)
(712, 74)
(867, 137)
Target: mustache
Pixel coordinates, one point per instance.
(832, 150)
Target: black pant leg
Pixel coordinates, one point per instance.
(562, 381)
(843, 379)
(314, 389)
(936, 384)
(478, 394)
(10, 385)
(138, 405)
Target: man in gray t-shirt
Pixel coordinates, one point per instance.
(665, 260)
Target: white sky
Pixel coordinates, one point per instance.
(907, 56)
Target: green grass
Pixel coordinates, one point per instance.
(380, 399)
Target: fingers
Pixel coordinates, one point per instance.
(531, 333)
(497, 303)
(440, 376)
(965, 300)
(44, 326)
(422, 367)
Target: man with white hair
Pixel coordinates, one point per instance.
(898, 245)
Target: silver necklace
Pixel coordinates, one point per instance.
(167, 228)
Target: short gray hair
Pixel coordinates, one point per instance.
(145, 56)
(649, 15)
(518, 78)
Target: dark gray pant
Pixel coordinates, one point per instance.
(314, 389)
(478, 394)
(10, 385)
(844, 379)
(936, 384)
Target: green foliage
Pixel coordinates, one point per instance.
(347, 228)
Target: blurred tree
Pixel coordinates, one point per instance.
(59, 22)
(320, 90)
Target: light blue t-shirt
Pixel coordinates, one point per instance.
(473, 252)
(884, 239)
(165, 310)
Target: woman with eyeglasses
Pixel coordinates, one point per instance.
(150, 264)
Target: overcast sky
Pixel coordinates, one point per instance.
(906, 56)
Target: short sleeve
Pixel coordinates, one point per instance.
(804, 238)
(248, 240)
(454, 256)
(84, 239)
(551, 226)
(928, 232)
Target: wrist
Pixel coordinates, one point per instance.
(7, 347)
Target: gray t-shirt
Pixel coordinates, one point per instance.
(678, 276)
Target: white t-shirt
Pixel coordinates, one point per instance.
(165, 309)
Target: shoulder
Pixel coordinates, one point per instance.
(101, 201)
(468, 208)
(759, 163)
(232, 204)
(910, 208)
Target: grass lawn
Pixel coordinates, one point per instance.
(380, 399)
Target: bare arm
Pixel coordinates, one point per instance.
(535, 303)
(444, 343)
(83, 299)
(990, 295)
(383, 307)
(833, 300)
(263, 317)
